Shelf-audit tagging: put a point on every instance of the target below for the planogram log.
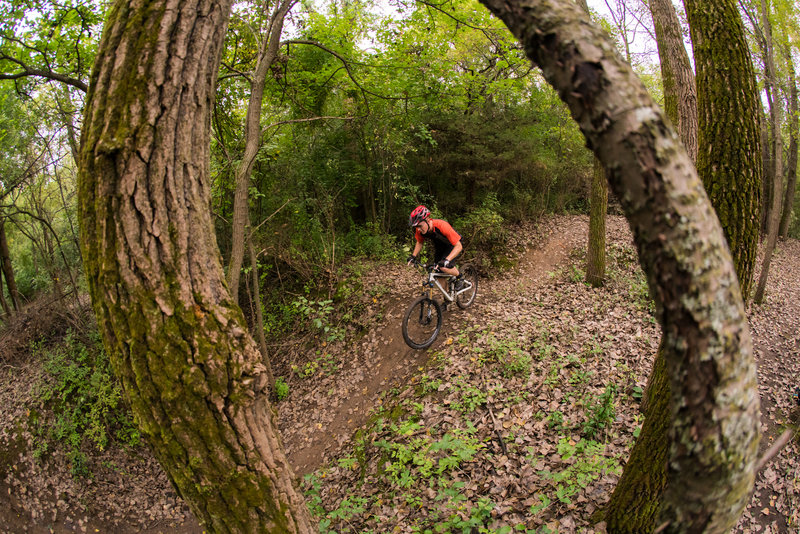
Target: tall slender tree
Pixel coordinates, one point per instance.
(680, 92)
(728, 127)
(179, 343)
(598, 208)
(776, 122)
(267, 52)
(707, 345)
(791, 164)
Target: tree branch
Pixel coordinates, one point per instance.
(28, 71)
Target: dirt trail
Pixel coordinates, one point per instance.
(322, 413)
(334, 386)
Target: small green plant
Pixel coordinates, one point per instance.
(556, 420)
(576, 274)
(85, 400)
(469, 396)
(318, 314)
(601, 412)
(281, 388)
(585, 462)
(326, 363)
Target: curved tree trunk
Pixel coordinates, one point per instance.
(680, 92)
(707, 345)
(634, 505)
(728, 122)
(180, 345)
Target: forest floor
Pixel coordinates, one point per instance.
(520, 416)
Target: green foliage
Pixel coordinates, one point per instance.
(281, 388)
(325, 363)
(507, 354)
(318, 313)
(585, 463)
(85, 401)
(601, 412)
(483, 226)
(422, 457)
(469, 396)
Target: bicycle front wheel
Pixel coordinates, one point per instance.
(422, 322)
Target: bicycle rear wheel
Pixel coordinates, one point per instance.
(422, 322)
(466, 296)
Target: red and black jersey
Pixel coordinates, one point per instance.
(443, 236)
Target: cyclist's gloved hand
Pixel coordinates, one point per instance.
(444, 263)
(412, 260)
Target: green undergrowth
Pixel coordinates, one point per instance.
(514, 423)
(79, 404)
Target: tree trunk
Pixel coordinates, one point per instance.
(634, 505)
(728, 127)
(776, 117)
(680, 93)
(3, 301)
(252, 136)
(8, 269)
(598, 205)
(598, 208)
(707, 345)
(193, 375)
(262, 340)
(766, 183)
(791, 164)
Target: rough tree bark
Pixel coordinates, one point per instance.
(706, 340)
(598, 208)
(728, 127)
(179, 343)
(791, 164)
(680, 92)
(267, 53)
(634, 505)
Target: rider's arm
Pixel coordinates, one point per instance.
(457, 248)
(417, 249)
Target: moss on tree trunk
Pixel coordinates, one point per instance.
(728, 128)
(192, 373)
(634, 505)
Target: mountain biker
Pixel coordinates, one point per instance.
(447, 245)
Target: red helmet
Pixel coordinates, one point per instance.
(418, 214)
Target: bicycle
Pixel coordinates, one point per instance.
(423, 319)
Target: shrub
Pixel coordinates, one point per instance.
(85, 401)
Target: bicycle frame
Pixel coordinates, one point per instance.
(434, 282)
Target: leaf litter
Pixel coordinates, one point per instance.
(521, 416)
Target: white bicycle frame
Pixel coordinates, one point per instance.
(433, 280)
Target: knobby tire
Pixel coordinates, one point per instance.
(423, 314)
(465, 300)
